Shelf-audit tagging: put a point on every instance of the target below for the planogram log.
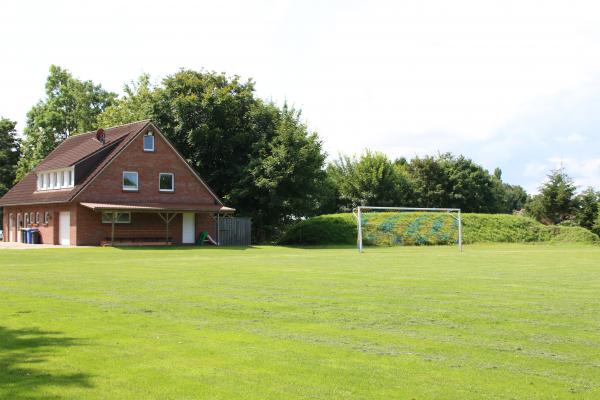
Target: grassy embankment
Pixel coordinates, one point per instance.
(412, 228)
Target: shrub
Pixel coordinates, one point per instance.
(324, 229)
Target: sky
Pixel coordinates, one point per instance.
(509, 84)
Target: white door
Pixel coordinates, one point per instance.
(189, 229)
(64, 228)
(11, 228)
(19, 227)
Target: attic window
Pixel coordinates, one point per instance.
(56, 179)
(149, 141)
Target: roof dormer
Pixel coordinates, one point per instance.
(63, 178)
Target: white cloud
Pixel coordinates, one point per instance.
(403, 77)
(571, 138)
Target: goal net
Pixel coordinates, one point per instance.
(398, 226)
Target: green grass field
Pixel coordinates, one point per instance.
(495, 322)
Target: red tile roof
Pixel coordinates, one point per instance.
(68, 153)
(78, 147)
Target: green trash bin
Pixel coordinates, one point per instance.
(23, 235)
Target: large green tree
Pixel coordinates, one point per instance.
(215, 121)
(260, 158)
(371, 179)
(136, 104)
(453, 181)
(586, 211)
(9, 154)
(71, 106)
(284, 178)
(556, 201)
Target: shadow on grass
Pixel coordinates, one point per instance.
(179, 248)
(20, 351)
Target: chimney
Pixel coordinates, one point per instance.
(100, 135)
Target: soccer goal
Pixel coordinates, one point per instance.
(391, 226)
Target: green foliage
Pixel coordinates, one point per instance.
(450, 181)
(442, 181)
(322, 230)
(262, 159)
(136, 105)
(283, 179)
(216, 122)
(572, 234)
(586, 212)
(411, 228)
(556, 201)
(372, 179)
(71, 106)
(9, 154)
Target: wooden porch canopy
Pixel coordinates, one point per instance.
(166, 211)
(160, 207)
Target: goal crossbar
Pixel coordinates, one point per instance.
(358, 214)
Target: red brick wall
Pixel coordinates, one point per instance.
(87, 228)
(48, 232)
(107, 187)
(91, 231)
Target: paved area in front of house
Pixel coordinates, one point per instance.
(25, 246)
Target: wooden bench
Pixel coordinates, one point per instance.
(138, 237)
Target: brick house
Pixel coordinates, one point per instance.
(125, 184)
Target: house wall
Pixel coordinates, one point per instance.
(107, 187)
(91, 231)
(48, 232)
(87, 228)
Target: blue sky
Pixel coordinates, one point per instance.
(514, 84)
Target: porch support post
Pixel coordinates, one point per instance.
(218, 229)
(112, 228)
(167, 237)
(167, 217)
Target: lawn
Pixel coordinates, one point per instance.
(495, 322)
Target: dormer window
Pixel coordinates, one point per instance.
(149, 141)
(56, 179)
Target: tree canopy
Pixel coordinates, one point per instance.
(9, 154)
(371, 179)
(261, 158)
(71, 106)
(555, 202)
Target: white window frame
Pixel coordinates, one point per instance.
(46, 217)
(172, 182)
(109, 214)
(56, 179)
(137, 181)
(149, 134)
(37, 217)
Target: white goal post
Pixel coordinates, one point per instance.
(455, 212)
